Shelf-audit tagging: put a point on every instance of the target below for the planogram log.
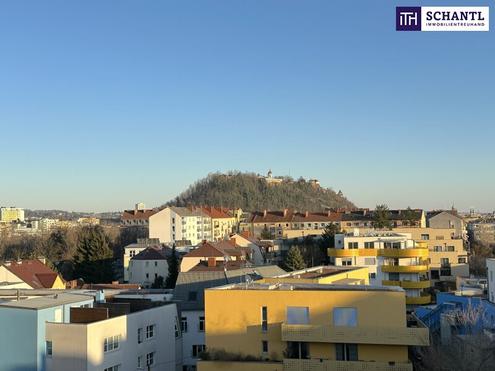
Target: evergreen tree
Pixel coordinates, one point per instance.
(158, 284)
(173, 269)
(409, 217)
(381, 217)
(328, 235)
(294, 259)
(94, 257)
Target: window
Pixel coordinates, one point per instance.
(435, 274)
(177, 326)
(297, 350)
(444, 262)
(347, 261)
(346, 352)
(437, 248)
(369, 245)
(352, 245)
(140, 362)
(394, 276)
(150, 359)
(450, 248)
(113, 368)
(156, 264)
(147, 275)
(49, 348)
(150, 331)
(264, 319)
(463, 261)
(197, 350)
(372, 276)
(369, 261)
(192, 296)
(183, 324)
(425, 237)
(298, 315)
(345, 317)
(111, 343)
(201, 323)
(264, 346)
(146, 264)
(140, 335)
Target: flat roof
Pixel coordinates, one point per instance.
(319, 272)
(305, 287)
(46, 301)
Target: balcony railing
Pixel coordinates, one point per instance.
(347, 253)
(404, 253)
(330, 365)
(356, 335)
(422, 284)
(405, 268)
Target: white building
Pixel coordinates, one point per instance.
(133, 249)
(148, 339)
(11, 214)
(148, 265)
(174, 224)
(393, 259)
(490, 267)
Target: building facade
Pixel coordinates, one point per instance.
(303, 326)
(393, 259)
(11, 214)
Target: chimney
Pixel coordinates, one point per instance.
(264, 213)
(285, 212)
(306, 214)
(212, 262)
(329, 213)
(232, 240)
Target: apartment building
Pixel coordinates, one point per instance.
(364, 218)
(134, 249)
(11, 214)
(138, 217)
(483, 231)
(223, 221)
(189, 293)
(116, 337)
(151, 263)
(393, 259)
(448, 219)
(22, 343)
(448, 257)
(288, 223)
(307, 326)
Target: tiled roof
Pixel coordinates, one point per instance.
(217, 249)
(33, 272)
(153, 253)
(215, 212)
(138, 214)
(289, 216)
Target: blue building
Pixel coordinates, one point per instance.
(449, 303)
(22, 326)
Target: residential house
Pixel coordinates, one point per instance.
(215, 253)
(255, 246)
(448, 219)
(32, 273)
(133, 249)
(148, 265)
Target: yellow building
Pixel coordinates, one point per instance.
(324, 275)
(447, 256)
(307, 326)
(11, 214)
(393, 259)
(223, 221)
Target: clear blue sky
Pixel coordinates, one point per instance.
(106, 103)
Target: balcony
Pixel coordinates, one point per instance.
(404, 253)
(330, 365)
(348, 253)
(418, 300)
(405, 268)
(408, 284)
(356, 335)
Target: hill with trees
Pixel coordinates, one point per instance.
(251, 192)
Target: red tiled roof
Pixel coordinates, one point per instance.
(205, 250)
(34, 273)
(202, 266)
(217, 249)
(215, 212)
(138, 214)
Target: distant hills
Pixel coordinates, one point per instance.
(251, 192)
